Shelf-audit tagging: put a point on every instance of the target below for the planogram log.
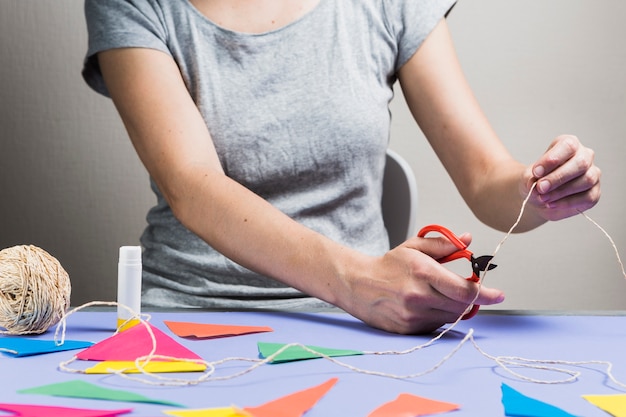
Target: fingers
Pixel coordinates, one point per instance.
(410, 292)
(562, 149)
(564, 161)
(453, 293)
(567, 179)
(457, 293)
(426, 311)
(448, 300)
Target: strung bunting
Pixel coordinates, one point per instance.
(18, 346)
(23, 410)
(203, 331)
(82, 389)
(292, 405)
(135, 343)
(408, 405)
(518, 405)
(296, 353)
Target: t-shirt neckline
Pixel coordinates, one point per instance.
(308, 15)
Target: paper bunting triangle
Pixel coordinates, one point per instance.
(407, 405)
(135, 343)
(518, 405)
(295, 353)
(23, 410)
(82, 389)
(292, 405)
(210, 412)
(203, 331)
(614, 404)
(17, 346)
(153, 367)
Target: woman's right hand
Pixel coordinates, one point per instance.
(410, 292)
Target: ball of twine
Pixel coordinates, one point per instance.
(34, 290)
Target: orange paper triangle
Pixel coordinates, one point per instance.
(135, 343)
(293, 405)
(407, 405)
(201, 330)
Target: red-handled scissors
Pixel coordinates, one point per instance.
(480, 264)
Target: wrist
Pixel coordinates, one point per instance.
(352, 272)
(349, 268)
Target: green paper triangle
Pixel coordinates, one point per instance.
(297, 353)
(82, 389)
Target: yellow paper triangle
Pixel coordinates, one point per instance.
(612, 404)
(210, 412)
(155, 367)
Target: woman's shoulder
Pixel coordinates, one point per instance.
(154, 11)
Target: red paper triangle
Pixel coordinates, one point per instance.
(407, 405)
(293, 405)
(202, 330)
(135, 343)
(23, 410)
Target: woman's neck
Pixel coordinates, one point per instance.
(254, 16)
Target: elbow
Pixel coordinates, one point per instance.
(183, 194)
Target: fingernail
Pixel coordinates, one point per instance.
(543, 186)
(538, 171)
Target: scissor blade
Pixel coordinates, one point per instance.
(482, 263)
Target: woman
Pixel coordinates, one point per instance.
(263, 125)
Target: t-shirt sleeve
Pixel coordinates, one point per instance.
(120, 24)
(411, 21)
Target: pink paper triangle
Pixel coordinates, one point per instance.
(135, 343)
(24, 410)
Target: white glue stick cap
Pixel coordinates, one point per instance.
(130, 255)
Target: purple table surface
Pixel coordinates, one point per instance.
(468, 378)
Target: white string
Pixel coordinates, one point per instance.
(61, 326)
(504, 362)
(619, 260)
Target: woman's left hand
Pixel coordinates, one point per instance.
(568, 182)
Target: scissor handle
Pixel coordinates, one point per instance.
(472, 312)
(444, 231)
(463, 252)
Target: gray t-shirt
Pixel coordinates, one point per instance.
(298, 115)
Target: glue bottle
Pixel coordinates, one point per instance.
(128, 286)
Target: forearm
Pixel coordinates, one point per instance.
(444, 106)
(250, 231)
(498, 200)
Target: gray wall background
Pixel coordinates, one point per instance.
(71, 183)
